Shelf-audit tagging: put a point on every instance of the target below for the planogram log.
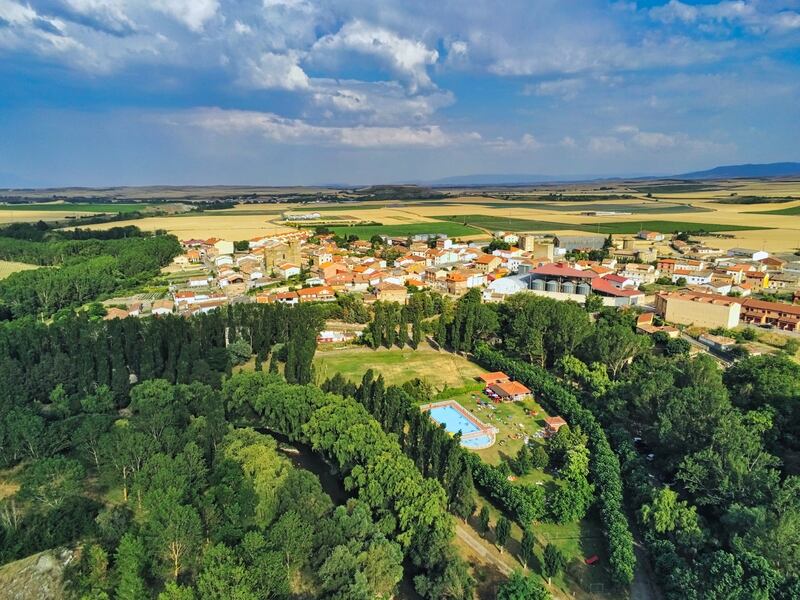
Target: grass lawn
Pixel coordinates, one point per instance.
(577, 541)
(8, 267)
(438, 368)
(109, 207)
(365, 232)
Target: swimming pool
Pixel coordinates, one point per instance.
(453, 420)
(478, 442)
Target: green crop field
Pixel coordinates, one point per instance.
(661, 226)
(99, 207)
(495, 223)
(791, 211)
(365, 232)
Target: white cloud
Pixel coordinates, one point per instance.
(298, 131)
(755, 16)
(192, 13)
(526, 142)
(406, 58)
(377, 102)
(606, 145)
(567, 89)
(276, 71)
(631, 137)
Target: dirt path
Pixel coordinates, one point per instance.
(476, 545)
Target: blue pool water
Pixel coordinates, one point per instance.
(480, 441)
(453, 420)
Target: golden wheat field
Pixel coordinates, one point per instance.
(8, 267)
(702, 203)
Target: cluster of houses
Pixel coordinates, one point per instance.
(294, 267)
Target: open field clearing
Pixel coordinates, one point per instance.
(790, 211)
(511, 224)
(766, 226)
(618, 206)
(72, 207)
(497, 223)
(8, 267)
(365, 232)
(28, 216)
(204, 225)
(438, 368)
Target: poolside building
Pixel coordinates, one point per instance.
(496, 377)
(510, 391)
(553, 424)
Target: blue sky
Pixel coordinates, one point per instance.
(282, 92)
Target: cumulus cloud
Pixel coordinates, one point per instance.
(192, 13)
(276, 71)
(298, 131)
(406, 58)
(377, 102)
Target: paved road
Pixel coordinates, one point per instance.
(723, 361)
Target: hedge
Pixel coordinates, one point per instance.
(604, 465)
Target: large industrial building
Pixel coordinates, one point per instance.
(702, 310)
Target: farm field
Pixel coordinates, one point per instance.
(438, 368)
(365, 232)
(495, 223)
(71, 207)
(690, 206)
(789, 211)
(9, 267)
(204, 225)
(663, 227)
(511, 224)
(599, 205)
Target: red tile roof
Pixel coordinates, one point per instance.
(562, 270)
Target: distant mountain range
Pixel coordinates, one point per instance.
(783, 169)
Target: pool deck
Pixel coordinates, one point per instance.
(484, 430)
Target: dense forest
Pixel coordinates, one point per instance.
(708, 456)
(137, 441)
(133, 437)
(77, 266)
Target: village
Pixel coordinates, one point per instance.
(673, 280)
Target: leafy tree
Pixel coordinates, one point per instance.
(666, 513)
(614, 346)
(527, 547)
(240, 351)
(483, 519)
(174, 533)
(223, 576)
(501, 532)
(130, 561)
(553, 562)
(173, 591)
(521, 587)
(50, 481)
